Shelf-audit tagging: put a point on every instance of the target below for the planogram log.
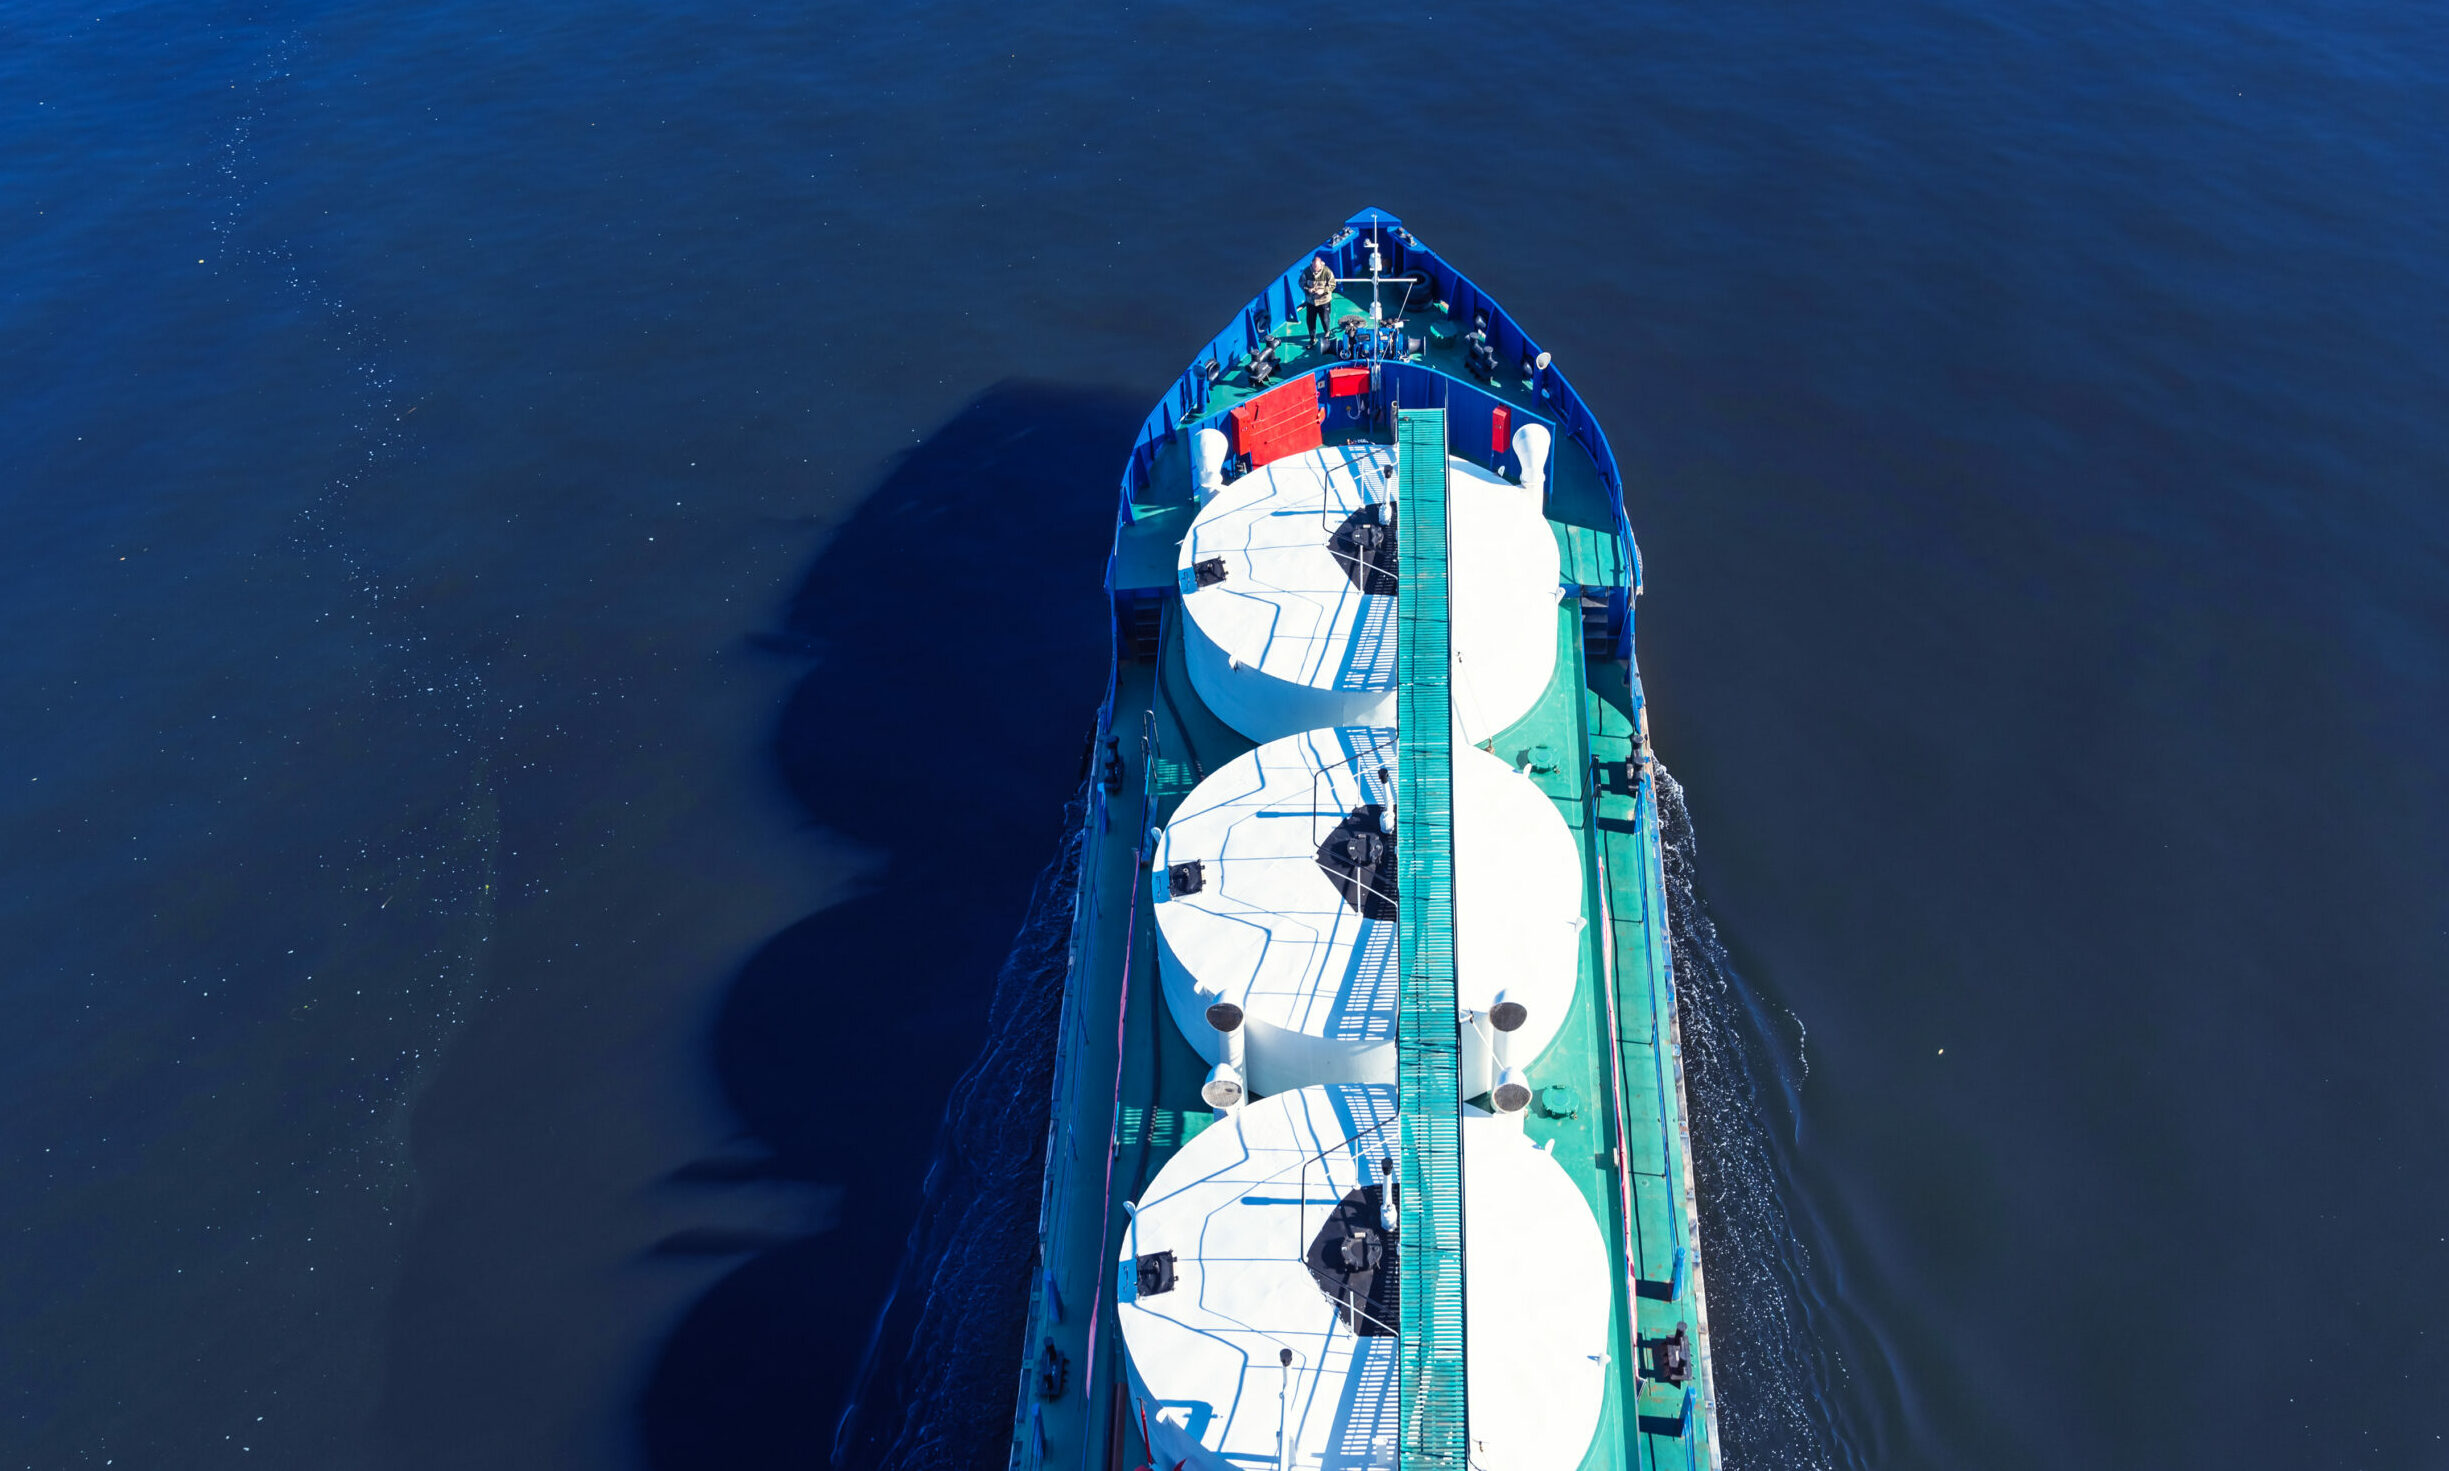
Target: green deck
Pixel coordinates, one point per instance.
(1127, 1083)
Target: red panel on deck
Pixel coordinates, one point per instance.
(1345, 382)
(1282, 421)
(1500, 429)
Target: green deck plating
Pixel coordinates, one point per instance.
(1430, 1385)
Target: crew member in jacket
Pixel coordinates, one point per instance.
(1318, 285)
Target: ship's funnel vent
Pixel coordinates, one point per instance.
(1224, 1016)
(1512, 1093)
(1364, 546)
(1355, 1262)
(1359, 855)
(1508, 1015)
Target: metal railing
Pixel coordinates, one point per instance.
(1433, 1403)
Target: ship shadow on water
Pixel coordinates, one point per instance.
(957, 645)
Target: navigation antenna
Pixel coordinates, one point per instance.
(1377, 272)
(1377, 280)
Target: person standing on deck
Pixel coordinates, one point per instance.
(1318, 285)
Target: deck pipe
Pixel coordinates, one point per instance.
(1511, 1093)
(1225, 1090)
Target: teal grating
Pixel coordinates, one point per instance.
(1431, 1381)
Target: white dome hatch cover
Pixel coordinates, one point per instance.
(1263, 1237)
(1288, 577)
(1261, 905)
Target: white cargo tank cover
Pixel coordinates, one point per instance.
(1241, 1238)
(1284, 633)
(1269, 920)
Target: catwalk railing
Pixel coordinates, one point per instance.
(1430, 1374)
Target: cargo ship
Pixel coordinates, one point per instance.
(1368, 1145)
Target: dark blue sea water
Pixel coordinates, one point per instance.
(551, 583)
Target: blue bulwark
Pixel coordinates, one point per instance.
(1432, 1390)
